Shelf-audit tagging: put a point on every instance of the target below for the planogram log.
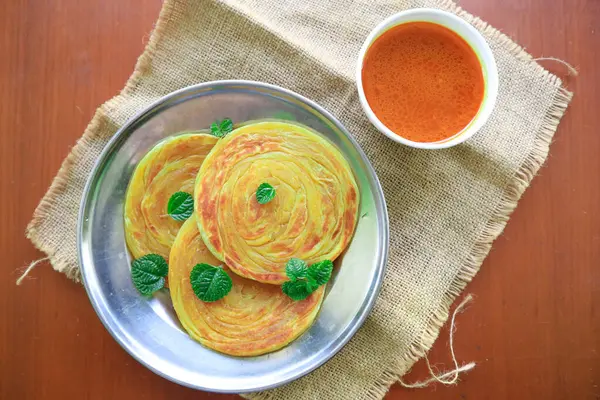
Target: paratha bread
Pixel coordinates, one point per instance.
(252, 319)
(312, 216)
(170, 167)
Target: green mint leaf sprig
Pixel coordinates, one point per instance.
(221, 128)
(148, 273)
(180, 206)
(296, 269)
(320, 272)
(296, 290)
(265, 193)
(210, 283)
(304, 279)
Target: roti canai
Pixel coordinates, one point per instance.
(311, 217)
(170, 167)
(252, 319)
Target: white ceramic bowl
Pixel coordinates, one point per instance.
(477, 43)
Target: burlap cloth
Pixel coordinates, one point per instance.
(445, 207)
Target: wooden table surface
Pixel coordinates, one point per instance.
(533, 329)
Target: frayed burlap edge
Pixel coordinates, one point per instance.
(500, 217)
(495, 225)
(94, 129)
(482, 246)
(480, 250)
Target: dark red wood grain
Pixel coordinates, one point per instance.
(533, 329)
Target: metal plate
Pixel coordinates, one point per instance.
(148, 328)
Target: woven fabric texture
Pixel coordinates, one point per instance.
(445, 206)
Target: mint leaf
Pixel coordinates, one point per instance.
(311, 284)
(148, 289)
(296, 269)
(180, 206)
(210, 283)
(221, 128)
(305, 280)
(296, 290)
(321, 271)
(148, 272)
(265, 193)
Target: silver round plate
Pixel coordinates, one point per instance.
(148, 328)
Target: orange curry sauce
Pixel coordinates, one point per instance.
(423, 81)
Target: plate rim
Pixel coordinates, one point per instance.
(380, 206)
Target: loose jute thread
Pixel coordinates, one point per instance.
(443, 378)
(30, 268)
(572, 70)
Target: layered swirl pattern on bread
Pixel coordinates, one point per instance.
(252, 319)
(311, 217)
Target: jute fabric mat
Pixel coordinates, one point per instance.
(445, 207)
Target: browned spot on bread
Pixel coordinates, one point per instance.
(351, 196)
(349, 220)
(311, 242)
(281, 248)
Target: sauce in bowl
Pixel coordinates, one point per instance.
(423, 81)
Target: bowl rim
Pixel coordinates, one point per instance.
(491, 81)
(367, 305)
